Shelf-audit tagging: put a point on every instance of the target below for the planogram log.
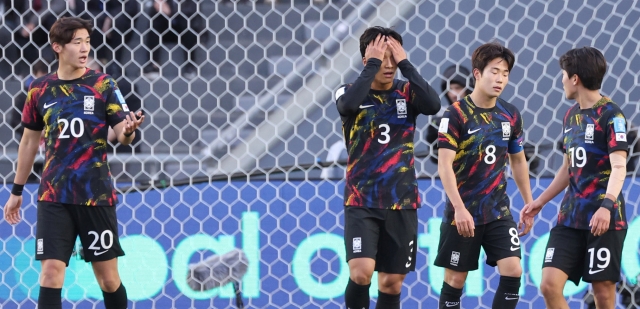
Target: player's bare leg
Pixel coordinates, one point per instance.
(51, 281)
(115, 295)
(389, 288)
(507, 293)
(452, 288)
(553, 281)
(604, 293)
(361, 270)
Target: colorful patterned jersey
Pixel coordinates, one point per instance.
(379, 141)
(590, 135)
(75, 116)
(482, 139)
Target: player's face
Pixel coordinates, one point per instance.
(493, 79)
(384, 77)
(568, 85)
(76, 52)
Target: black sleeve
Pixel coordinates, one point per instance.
(423, 97)
(349, 101)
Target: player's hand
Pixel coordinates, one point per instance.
(12, 209)
(527, 216)
(132, 122)
(376, 48)
(397, 50)
(600, 221)
(464, 222)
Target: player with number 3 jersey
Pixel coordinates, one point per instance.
(587, 241)
(381, 192)
(74, 107)
(477, 136)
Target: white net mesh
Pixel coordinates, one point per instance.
(241, 123)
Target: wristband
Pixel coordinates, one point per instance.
(17, 189)
(607, 204)
(127, 135)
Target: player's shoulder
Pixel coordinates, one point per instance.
(611, 106)
(574, 109)
(507, 106)
(43, 81)
(340, 91)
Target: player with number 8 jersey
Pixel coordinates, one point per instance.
(477, 136)
(381, 195)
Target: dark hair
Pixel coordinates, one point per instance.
(489, 51)
(64, 28)
(372, 32)
(588, 63)
(40, 67)
(457, 74)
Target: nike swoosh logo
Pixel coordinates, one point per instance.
(591, 272)
(451, 304)
(567, 130)
(511, 298)
(49, 105)
(407, 265)
(474, 131)
(365, 106)
(96, 253)
(514, 248)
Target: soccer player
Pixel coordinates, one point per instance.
(74, 106)
(477, 136)
(381, 192)
(587, 240)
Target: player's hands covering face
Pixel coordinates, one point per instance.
(132, 122)
(397, 50)
(376, 48)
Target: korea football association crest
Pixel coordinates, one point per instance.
(401, 107)
(506, 130)
(589, 132)
(89, 104)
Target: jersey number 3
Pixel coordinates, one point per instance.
(385, 134)
(75, 127)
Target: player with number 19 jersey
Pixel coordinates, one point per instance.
(75, 116)
(481, 138)
(590, 135)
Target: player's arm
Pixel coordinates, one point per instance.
(617, 143)
(520, 171)
(600, 221)
(126, 130)
(348, 99)
(463, 219)
(424, 97)
(27, 151)
(559, 184)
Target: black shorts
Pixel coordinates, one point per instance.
(498, 238)
(583, 256)
(388, 236)
(58, 225)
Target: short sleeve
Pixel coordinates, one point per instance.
(517, 136)
(31, 118)
(616, 132)
(449, 129)
(117, 108)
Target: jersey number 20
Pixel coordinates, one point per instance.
(75, 127)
